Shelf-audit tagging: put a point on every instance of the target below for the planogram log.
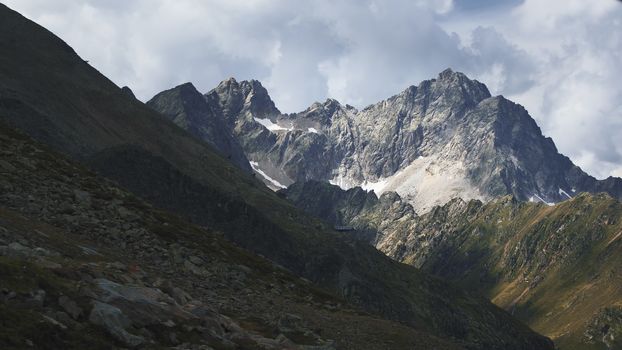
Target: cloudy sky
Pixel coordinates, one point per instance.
(561, 59)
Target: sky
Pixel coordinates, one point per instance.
(561, 59)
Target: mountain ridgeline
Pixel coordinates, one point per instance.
(445, 138)
(173, 199)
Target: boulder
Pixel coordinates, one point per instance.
(115, 323)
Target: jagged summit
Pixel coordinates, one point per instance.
(228, 81)
(189, 109)
(247, 97)
(443, 138)
(127, 91)
(187, 87)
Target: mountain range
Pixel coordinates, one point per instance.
(444, 138)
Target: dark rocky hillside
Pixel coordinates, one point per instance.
(85, 264)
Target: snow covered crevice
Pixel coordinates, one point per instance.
(272, 183)
(537, 198)
(562, 192)
(270, 125)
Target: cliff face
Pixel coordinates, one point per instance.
(188, 108)
(445, 138)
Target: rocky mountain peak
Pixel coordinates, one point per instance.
(187, 89)
(194, 103)
(257, 99)
(448, 73)
(457, 86)
(183, 101)
(190, 110)
(321, 113)
(228, 84)
(128, 92)
(330, 106)
(444, 138)
(247, 96)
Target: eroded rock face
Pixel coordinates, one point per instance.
(115, 322)
(445, 138)
(186, 107)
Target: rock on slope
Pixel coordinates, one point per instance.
(445, 138)
(555, 267)
(51, 94)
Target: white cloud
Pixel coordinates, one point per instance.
(577, 95)
(558, 58)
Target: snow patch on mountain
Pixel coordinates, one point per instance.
(377, 187)
(430, 181)
(425, 183)
(536, 198)
(562, 192)
(275, 184)
(270, 125)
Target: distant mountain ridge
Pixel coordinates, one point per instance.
(557, 268)
(445, 138)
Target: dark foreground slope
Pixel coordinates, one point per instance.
(85, 264)
(557, 268)
(51, 94)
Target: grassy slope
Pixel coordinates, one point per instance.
(552, 267)
(567, 264)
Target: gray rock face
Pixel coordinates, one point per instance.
(115, 322)
(187, 108)
(70, 307)
(127, 91)
(445, 138)
(371, 218)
